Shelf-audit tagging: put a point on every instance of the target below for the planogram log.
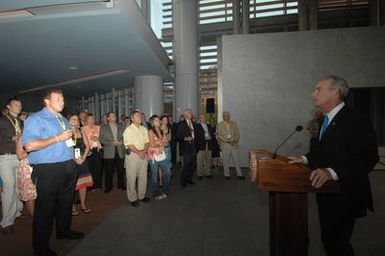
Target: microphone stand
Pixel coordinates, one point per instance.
(283, 142)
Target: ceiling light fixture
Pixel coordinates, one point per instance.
(15, 14)
(78, 80)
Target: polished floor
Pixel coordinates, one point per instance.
(216, 217)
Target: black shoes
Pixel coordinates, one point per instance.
(123, 188)
(191, 182)
(200, 177)
(72, 235)
(241, 177)
(145, 200)
(227, 178)
(209, 176)
(107, 190)
(184, 184)
(135, 203)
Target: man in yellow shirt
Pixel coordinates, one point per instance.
(135, 139)
(228, 136)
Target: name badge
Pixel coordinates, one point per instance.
(77, 153)
(69, 143)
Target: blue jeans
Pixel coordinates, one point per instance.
(154, 166)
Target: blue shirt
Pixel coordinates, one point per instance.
(43, 125)
(1, 183)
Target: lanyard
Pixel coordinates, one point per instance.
(75, 138)
(61, 122)
(15, 125)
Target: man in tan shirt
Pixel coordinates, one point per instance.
(228, 137)
(135, 139)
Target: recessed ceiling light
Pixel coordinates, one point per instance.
(73, 67)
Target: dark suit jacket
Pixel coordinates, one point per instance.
(349, 146)
(200, 140)
(184, 131)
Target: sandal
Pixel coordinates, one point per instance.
(75, 213)
(86, 211)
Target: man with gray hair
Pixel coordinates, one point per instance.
(228, 137)
(345, 151)
(186, 135)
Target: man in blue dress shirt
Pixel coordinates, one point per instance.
(47, 138)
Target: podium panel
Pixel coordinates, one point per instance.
(288, 185)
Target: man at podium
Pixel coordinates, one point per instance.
(345, 150)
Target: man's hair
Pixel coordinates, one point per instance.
(339, 84)
(47, 94)
(109, 113)
(14, 98)
(133, 113)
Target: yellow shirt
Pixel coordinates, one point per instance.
(137, 136)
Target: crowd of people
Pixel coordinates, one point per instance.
(48, 162)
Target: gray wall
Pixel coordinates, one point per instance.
(265, 80)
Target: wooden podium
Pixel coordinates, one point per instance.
(288, 185)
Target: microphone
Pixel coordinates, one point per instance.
(298, 128)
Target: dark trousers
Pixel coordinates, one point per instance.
(55, 184)
(174, 145)
(336, 231)
(109, 166)
(189, 162)
(94, 162)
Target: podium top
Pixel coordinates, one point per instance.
(276, 174)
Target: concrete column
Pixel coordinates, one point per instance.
(313, 14)
(102, 105)
(146, 9)
(245, 16)
(236, 17)
(149, 95)
(97, 106)
(374, 12)
(114, 100)
(83, 103)
(186, 55)
(302, 15)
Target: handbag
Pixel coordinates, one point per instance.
(161, 157)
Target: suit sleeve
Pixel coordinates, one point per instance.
(103, 136)
(362, 153)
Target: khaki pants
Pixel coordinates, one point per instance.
(204, 162)
(136, 169)
(227, 153)
(10, 202)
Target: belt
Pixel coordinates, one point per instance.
(7, 154)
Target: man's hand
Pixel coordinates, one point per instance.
(189, 138)
(79, 161)
(295, 160)
(319, 176)
(16, 137)
(65, 135)
(142, 154)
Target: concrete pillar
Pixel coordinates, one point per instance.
(313, 14)
(302, 15)
(245, 16)
(114, 100)
(146, 9)
(97, 106)
(186, 55)
(149, 95)
(236, 17)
